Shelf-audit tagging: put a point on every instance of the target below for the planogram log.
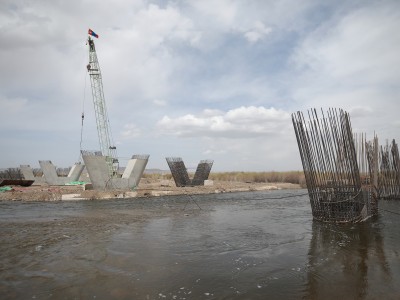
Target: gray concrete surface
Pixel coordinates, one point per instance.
(27, 172)
(97, 168)
(51, 177)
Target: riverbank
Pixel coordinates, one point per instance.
(146, 188)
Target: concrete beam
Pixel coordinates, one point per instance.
(76, 172)
(27, 173)
(97, 168)
(51, 176)
(135, 168)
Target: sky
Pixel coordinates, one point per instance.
(209, 79)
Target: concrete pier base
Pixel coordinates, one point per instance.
(51, 176)
(76, 172)
(135, 168)
(98, 170)
(27, 173)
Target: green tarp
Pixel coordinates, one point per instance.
(76, 183)
(5, 188)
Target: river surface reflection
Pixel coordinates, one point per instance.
(239, 246)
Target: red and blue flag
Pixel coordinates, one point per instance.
(92, 33)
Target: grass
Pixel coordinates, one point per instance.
(296, 177)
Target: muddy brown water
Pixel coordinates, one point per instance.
(238, 246)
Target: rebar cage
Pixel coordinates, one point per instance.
(202, 172)
(181, 176)
(389, 175)
(178, 171)
(330, 166)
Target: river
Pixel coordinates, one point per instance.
(253, 245)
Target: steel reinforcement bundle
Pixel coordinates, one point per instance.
(389, 175)
(330, 167)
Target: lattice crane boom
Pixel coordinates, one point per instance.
(102, 121)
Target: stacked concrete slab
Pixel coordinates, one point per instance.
(51, 176)
(99, 174)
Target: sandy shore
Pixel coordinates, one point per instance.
(146, 188)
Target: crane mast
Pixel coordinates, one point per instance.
(103, 125)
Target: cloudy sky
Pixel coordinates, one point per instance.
(198, 79)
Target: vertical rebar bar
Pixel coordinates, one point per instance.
(332, 159)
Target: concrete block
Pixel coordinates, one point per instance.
(71, 197)
(51, 177)
(97, 168)
(129, 168)
(208, 182)
(75, 172)
(49, 172)
(87, 186)
(135, 168)
(27, 173)
(160, 193)
(165, 183)
(98, 171)
(130, 194)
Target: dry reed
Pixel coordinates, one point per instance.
(295, 177)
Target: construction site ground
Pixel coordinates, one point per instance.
(146, 188)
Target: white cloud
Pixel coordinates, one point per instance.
(359, 48)
(214, 69)
(162, 24)
(220, 14)
(130, 131)
(214, 151)
(141, 55)
(242, 122)
(211, 112)
(351, 62)
(160, 102)
(360, 111)
(258, 32)
(12, 106)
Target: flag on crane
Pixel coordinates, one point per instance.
(92, 33)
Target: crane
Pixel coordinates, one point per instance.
(103, 124)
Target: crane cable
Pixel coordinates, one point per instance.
(82, 118)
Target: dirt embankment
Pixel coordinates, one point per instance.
(146, 188)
